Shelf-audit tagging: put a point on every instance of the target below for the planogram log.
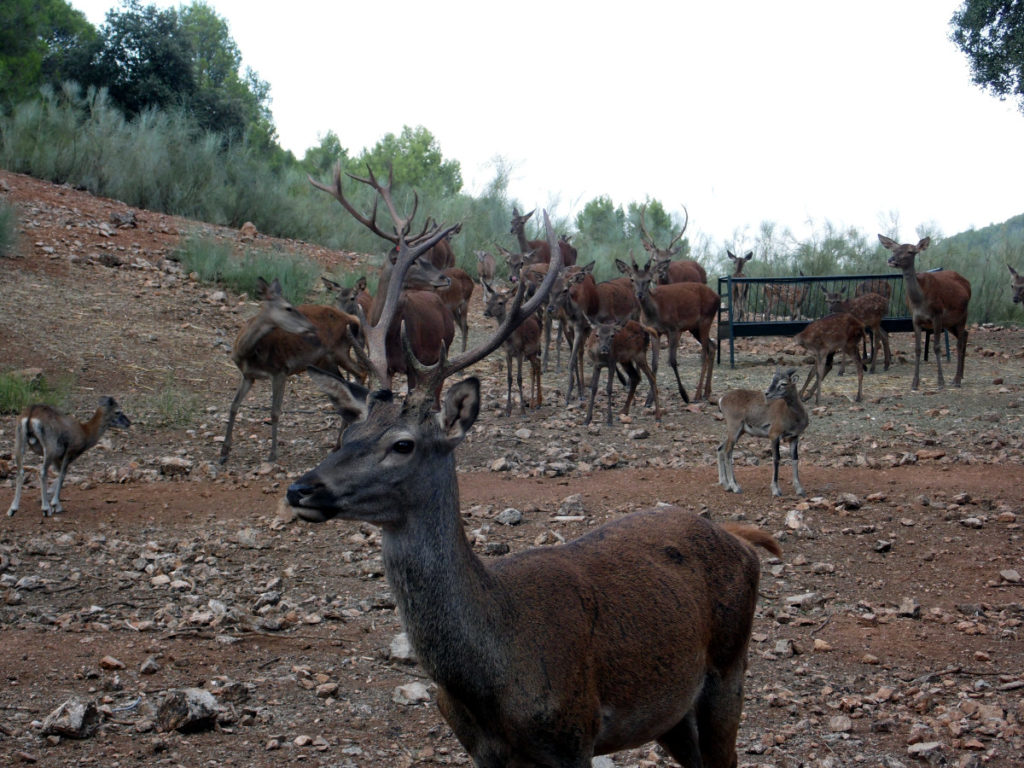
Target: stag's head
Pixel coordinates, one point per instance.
(674, 247)
(902, 256)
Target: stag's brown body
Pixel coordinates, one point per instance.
(540, 250)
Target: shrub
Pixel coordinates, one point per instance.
(18, 391)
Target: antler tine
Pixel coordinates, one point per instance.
(336, 192)
(646, 236)
(686, 223)
(516, 313)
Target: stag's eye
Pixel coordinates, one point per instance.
(404, 446)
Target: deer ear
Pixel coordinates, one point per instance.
(622, 266)
(460, 409)
(888, 242)
(924, 243)
(348, 398)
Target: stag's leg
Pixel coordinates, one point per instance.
(536, 397)
(884, 334)
(961, 352)
(594, 378)
(707, 366)
(719, 709)
(673, 346)
(811, 374)
(20, 444)
(276, 402)
(857, 361)
(547, 338)
(655, 351)
(776, 491)
(243, 390)
(683, 742)
(937, 338)
(44, 470)
(794, 459)
(608, 390)
(463, 321)
(574, 372)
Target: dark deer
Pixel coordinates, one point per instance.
(620, 343)
(59, 439)
(869, 308)
(672, 309)
(739, 290)
(353, 299)
(937, 301)
(636, 632)
(667, 269)
(1016, 284)
(523, 342)
(282, 340)
(824, 337)
(540, 250)
(777, 413)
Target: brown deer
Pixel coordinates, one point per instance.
(1017, 285)
(937, 301)
(869, 308)
(540, 251)
(485, 267)
(882, 287)
(621, 343)
(667, 269)
(353, 299)
(789, 295)
(841, 332)
(739, 290)
(635, 632)
(59, 439)
(282, 340)
(778, 413)
(672, 309)
(523, 342)
(455, 296)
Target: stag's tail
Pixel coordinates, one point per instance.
(754, 536)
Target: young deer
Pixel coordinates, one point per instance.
(1017, 285)
(790, 295)
(937, 300)
(485, 267)
(841, 332)
(777, 413)
(635, 632)
(60, 440)
(869, 308)
(523, 342)
(739, 290)
(622, 343)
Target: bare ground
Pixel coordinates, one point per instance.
(893, 621)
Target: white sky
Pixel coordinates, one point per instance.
(743, 111)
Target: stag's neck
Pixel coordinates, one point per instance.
(444, 591)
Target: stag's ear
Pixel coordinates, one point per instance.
(622, 266)
(460, 409)
(348, 398)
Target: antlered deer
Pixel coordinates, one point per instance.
(635, 632)
(60, 440)
(1017, 285)
(937, 301)
(778, 413)
(282, 340)
(539, 250)
(621, 343)
(668, 270)
(523, 342)
(841, 332)
(739, 290)
(869, 308)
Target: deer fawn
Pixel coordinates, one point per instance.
(623, 343)
(523, 342)
(790, 295)
(60, 440)
(937, 301)
(635, 632)
(869, 308)
(841, 332)
(739, 290)
(777, 413)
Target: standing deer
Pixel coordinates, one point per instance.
(789, 295)
(778, 413)
(621, 343)
(672, 309)
(1017, 285)
(841, 332)
(739, 290)
(540, 250)
(667, 269)
(485, 267)
(635, 632)
(353, 299)
(937, 301)
(60, 440)
(455, 296)
(282, 340)
(869, 308)
(523, 342)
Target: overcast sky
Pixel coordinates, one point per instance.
(741, 111)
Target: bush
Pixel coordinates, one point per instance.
(18, 391)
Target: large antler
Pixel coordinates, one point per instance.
(649, 243)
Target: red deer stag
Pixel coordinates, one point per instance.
(635, 632)
(429, 324)
(1017, 285)
(739, 290)
(523, 342)
(824, 337)
(668, 270)
(540, 250)
(869, 308)
(623, 343)
(937, 301)
(672, 309)
(282, 340)
(60, 440)
(777, 414)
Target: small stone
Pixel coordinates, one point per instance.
(326, 690)
(510, 516)
(572, 506)
(187, 709)
(401, 649)
(972, 522)
(500, 465)
(175, 466)
(75, 719)
(303, 741)
(1010, 575)
(109, 662)
(149, 667)
(822, 645)
(925, 750)
(410, 693)
(840, 724)
(909, 608)
(870, 658)
(523, 433)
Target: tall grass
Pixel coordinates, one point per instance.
(18, 391)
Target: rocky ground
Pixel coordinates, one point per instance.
(888, 634)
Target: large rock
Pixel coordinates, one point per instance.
(75, 719)
(187, 709)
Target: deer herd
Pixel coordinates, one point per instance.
(637, 631)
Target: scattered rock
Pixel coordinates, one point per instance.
(186, 710)
(75, 719)
(411, 693)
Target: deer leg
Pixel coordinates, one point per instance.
(718, 712)
(55, 505)
(519, 383)
(775, 466)
(535, 395)
(243, 390)
(855, 354)
(508, 382)
(682, 742)
(608, 389)
(794, 459)
(655, 351)
(961, 352)
(726, 476)
(654, 388)
(884, 334)
(917, 358)
(673, 345)
(44, 470)
(634, 380)
(464, 325)
(547, 338)
(276, 402)
(811, 374)
(574, 373)
(937, 338)
(594, 376)
(20, 443)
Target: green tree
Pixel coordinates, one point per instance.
(991, 35)
(417, 161)
(319, 161)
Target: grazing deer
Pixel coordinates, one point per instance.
(739, 290)
(623, 343)
(778, 413)
(523, 342)
(869, 308)
(841, 332)
(540, 250)
(937, 301)
(60, 440)
(789, 295)
(635, 632)
(667, 269)
(282, 340)
(672, 309)
(1017, 285)
(485, 267)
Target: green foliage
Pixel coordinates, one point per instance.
(171, 407)
(214, 261)
(18, 391)
(991, 34)
(8, 230)
(417, 161)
